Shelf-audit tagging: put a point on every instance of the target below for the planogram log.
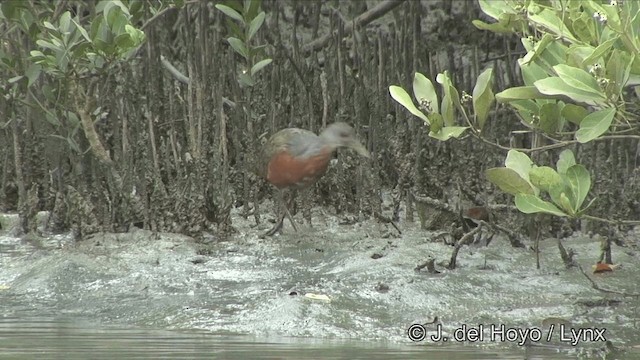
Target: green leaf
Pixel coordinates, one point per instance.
(578, 79)
(508, 181)
(577, 53)
(124, 41)
(495, 8)
(584, 209)
(579, 183)
(52, 119)
(565, 161)
(599, 52)
(526, 109)
(136, 35)
(618, 68)
(531, 204)
(534, 53)
(613, 19)
(521, 93)
(436, 121)
(557, 191)
(97, 30)
(255, 25)
(483, 97)
(246, 80)
(423, 91)
(65, 22)
(548, 19)
(49, 26)
(73, 120)
(519, 162)
(259, 66)
(10, 9)
(251, 8)
(450, 99)
(122, 6)
(49, 93)
(544, 177)
(497, 27)
(623, 77)
(566, 205)
(401, 96)
(556, 86)
(574, 113)
(48, 45)
(117, 21)
(531, 72)
(584, 28)
(595, 124)
(33, 73)
(239, 47)
(106, 9)
(15, 79)
(447, 110)
(230, 12)
(448, 132)
(550, 120)
(36, 55)
(234, 28)
(82, 31)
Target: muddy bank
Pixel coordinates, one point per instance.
(257, 286)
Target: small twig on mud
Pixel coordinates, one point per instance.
(609, 291)
(430, 265)
(513, 237)
(386, 220)
(567, 256)
(434, 203)
(434, 321)
(465, 240)
(614, 222)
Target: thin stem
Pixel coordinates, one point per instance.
(609, 221)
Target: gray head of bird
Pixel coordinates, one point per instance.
(340, 134)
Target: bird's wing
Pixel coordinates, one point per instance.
(276, 144)
(304, 144)
(299, 143)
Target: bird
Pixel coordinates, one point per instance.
(472, 216)
(296, 158)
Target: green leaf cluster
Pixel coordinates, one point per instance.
(243, 21)
(542, 189)
(581, 56)
(66, 46)
(440, 112)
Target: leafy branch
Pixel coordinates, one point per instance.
(250, 20)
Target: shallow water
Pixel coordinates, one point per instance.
(61, 337)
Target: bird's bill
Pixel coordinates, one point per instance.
(359, 148)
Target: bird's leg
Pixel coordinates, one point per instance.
(292, 201)
(284, 211)
(278, 225)
(306, 204)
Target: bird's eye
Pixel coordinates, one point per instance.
(344, 134)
